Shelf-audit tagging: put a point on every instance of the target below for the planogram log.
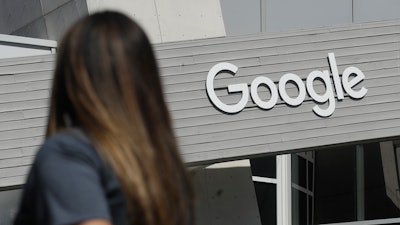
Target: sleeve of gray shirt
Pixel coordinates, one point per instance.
(69, 183)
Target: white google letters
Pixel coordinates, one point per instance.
(339, 83)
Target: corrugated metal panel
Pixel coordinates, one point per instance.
(205, 134)
(24, 92)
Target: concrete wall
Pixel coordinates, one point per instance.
(241, 17)
(225, 194)
(166, 21)
(163, 21)
(16, 14)
(253, 16)
(8, 205)
(372, 10)
(46, 19)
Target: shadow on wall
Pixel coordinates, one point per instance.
(44, 19)
(225, 196)
(9, 200)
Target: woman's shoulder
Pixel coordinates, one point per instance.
(70, 145)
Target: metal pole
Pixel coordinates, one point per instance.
(360, 182)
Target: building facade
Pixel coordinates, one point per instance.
(285, 112)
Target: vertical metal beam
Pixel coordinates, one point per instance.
(284, 190)
(360, 182)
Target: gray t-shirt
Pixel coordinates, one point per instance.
(69, 183)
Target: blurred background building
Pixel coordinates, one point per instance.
(289, 167)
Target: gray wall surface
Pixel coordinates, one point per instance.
(248, 17)
(292, 14)
(225, 195)
(9, 200)
(15, 14)
(241, 17)
(372, 10)
(205, 134)
(173, 20)
(163, 21)
(47, 19)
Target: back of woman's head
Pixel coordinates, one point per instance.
(106, 82)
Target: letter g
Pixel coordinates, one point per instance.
(231, 89)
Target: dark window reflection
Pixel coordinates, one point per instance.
(299, 167)
(377, 203)
(299, 207)
(310, 176)
(266, 199)
(325, 185)
(335, 183)
(335, 199)
(264, 166)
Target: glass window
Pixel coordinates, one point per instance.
(302, 182)
(310, 176)
(299, 207)
(334, 193)
(299, 168)
(377, 203)
(335, 185)
(264, 166)
(352, 185)
(266, 200)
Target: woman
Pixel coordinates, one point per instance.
(110, 156)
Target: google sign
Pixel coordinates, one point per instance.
(351, 76)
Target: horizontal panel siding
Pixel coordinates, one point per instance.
(23, 96)
(27, 60)
(256, 129)
(293, 57)
(25, 68)
(34, 140)
(15, 162)
(282, 51)
(24, 123)
(23, 105)
(13, 171)
(276, 72)
(327, 31)
(205, 134)
(24, 93)
(278, 134)
(12, 181)
(280, 117)
(18, 152)
(279, 41)
(21, 133)
(288, 146)
(391, 91)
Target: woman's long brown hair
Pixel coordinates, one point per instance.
(107, 83)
